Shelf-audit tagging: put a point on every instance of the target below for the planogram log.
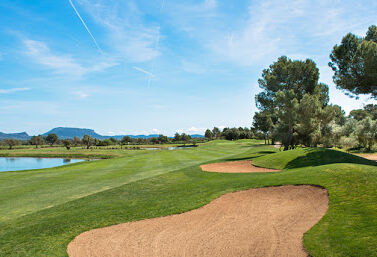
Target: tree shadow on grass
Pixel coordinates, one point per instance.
(266, 152)
(251, 156)
(241, 158)
(321, 156)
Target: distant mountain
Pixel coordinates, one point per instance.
(138, 136)
(196, 136)
(67, 133)
(18, 136)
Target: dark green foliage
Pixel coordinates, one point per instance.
(88, 141)
(231, 134)
(208, 134)
(370, 110)
(11, 142)
(36, 140)
(52, 139)
(354, 63)
(216, 133)
(294, 105)
(76, 141)
(67, 144)
(262, 121)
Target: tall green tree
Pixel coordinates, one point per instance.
(11, 142)
(177, 137)
(208, 134)
(76, 141)
(231, 134)
(125, 141)
(163, 139)
(285, 83)
(216, 132)
(262, 122)
(354, 63)
(51, 139)
(369, 110)
(67, 144)
(36, 140)
(366, 131)
(87, 140)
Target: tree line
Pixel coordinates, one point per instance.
(231, 133)
(87, 141)
(294, 106)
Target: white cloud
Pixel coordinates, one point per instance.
(37, 108)
(127, 34)
(81, 94)
(192, 130)
(12, 90)
(191, 67)
(159, 106)
(273, 29)
(210, 4)
(40, 53)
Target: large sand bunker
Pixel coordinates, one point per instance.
(234, 167)
(257, 222)
(372, 157)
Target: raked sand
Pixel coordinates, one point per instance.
(256, 222)
(234, 167)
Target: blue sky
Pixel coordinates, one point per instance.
(158, 66)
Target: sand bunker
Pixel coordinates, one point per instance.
(372, 157)
(257, 222)
(234, 167)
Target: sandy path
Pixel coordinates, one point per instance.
(234, 167)
(372, 157)
(257, 222)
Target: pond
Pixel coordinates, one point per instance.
(29, 163)
(168, 148)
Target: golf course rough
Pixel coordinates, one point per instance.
(42, 211)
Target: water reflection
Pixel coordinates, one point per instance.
(10, 159)
(167, 148)
(28, 163)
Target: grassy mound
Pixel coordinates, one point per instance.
(308, 157)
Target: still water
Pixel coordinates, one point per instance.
(167, 148)
(23, 163)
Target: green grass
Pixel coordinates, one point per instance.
(307, 157)
(99, 152)
(42, 211)
(74, 152)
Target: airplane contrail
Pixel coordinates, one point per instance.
(149, 74)
(86, 27)
(162, 5)
(157, 43)
(143, 71)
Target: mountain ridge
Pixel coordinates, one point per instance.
(69, 133)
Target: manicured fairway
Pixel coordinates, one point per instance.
(42, 211)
